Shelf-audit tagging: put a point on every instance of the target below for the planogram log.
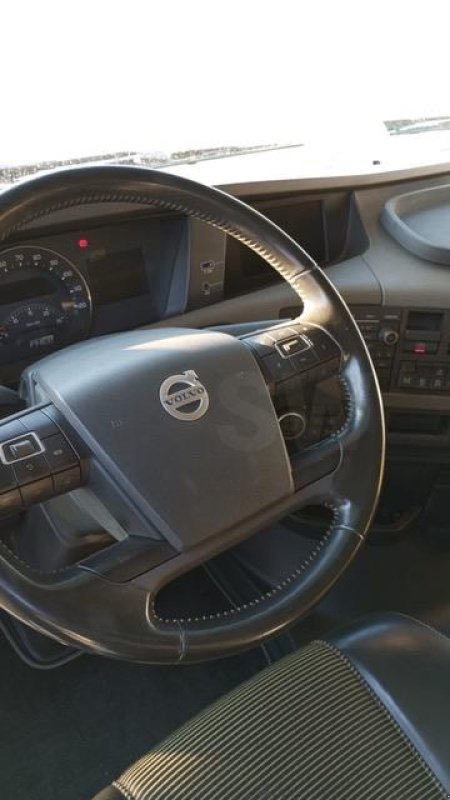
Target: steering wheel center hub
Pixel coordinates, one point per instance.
(184, 396)
(191, 481)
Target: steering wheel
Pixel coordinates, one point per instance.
(175, 431)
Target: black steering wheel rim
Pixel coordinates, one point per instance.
(128, 625)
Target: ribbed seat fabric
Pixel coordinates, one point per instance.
(308, 728)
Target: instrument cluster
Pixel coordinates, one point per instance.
(45, 302)
(66, 285)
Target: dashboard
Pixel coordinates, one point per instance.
(72, 282)
(60, 288)
(104, 270)
(97, 270)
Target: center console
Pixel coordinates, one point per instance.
(410, 348)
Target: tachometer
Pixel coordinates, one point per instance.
(44, 302)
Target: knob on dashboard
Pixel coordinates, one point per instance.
(389, 336)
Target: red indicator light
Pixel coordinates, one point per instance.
(420, 349)
(83, 243)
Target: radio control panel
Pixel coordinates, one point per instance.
(410, 348)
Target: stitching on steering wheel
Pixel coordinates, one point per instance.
(36, 570)
(349, 407)
(306, 563)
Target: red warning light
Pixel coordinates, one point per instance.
(420, 349)
(83, 243)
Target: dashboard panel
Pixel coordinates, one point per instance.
(145, 269)
(328, 227)
(61, 287)
(100, 275)
(385, 286)
(410, 348)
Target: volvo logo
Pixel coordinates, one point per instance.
(184, 396)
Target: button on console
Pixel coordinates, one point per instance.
(59, 453)
(67, 481)
(305, 360)
(292, 424)
(31, 469)
(422, 382)
(37, 491)
(292, 346)
(405, 380)
(280, 368)
(324, 345)
(408, 366)
(21, 448)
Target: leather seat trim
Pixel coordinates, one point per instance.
(309, 727)
(358, 714)
(406, 664)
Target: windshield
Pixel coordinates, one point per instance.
(320, 88)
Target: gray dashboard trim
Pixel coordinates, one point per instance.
(417, 402)
(406, 279)
(412, 219)
(335, 182)
(353, 278)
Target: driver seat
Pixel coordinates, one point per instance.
(362, 714)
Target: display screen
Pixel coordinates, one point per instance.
(425, 321)
(118, 276)
(304, 222)
(25, 289)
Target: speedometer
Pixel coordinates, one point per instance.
(44, 302)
